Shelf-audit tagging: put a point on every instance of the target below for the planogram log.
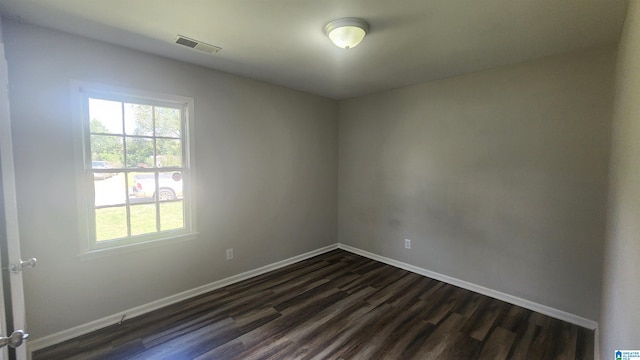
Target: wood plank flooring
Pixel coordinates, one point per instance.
(335, 306)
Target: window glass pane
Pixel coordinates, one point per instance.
(105, 116)
(139, 152)
(138, 119)
(169, 153)
(171, 215)
(142, 186)
(170, 186)
(111, 223)
(109, 189)
(106, 151)
(143, 219)
(167, 122)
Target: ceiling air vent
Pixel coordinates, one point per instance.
(197, 45)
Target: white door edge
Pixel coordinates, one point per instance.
(10, 205)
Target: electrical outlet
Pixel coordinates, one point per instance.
(229, 254)
(407, 244)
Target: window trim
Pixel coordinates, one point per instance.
(88, 248)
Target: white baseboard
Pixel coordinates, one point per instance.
(56, 338)
(543, 309)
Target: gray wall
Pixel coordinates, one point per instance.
(620, 318)
(498, 177)
(266, 161)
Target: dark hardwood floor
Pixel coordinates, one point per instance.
(335, 306)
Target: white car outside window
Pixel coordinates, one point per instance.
(169, 186)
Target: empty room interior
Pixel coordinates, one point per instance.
(322, 179)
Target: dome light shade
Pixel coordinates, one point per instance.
(347, 32)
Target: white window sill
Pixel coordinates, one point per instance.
(122, 249)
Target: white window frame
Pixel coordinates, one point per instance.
(88, 247)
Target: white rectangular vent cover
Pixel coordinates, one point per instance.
(197, 45)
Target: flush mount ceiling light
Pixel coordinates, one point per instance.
(347, 32)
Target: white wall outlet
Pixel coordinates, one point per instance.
(229, 254)
(407, 244)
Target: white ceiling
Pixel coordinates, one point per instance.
(282, 41)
